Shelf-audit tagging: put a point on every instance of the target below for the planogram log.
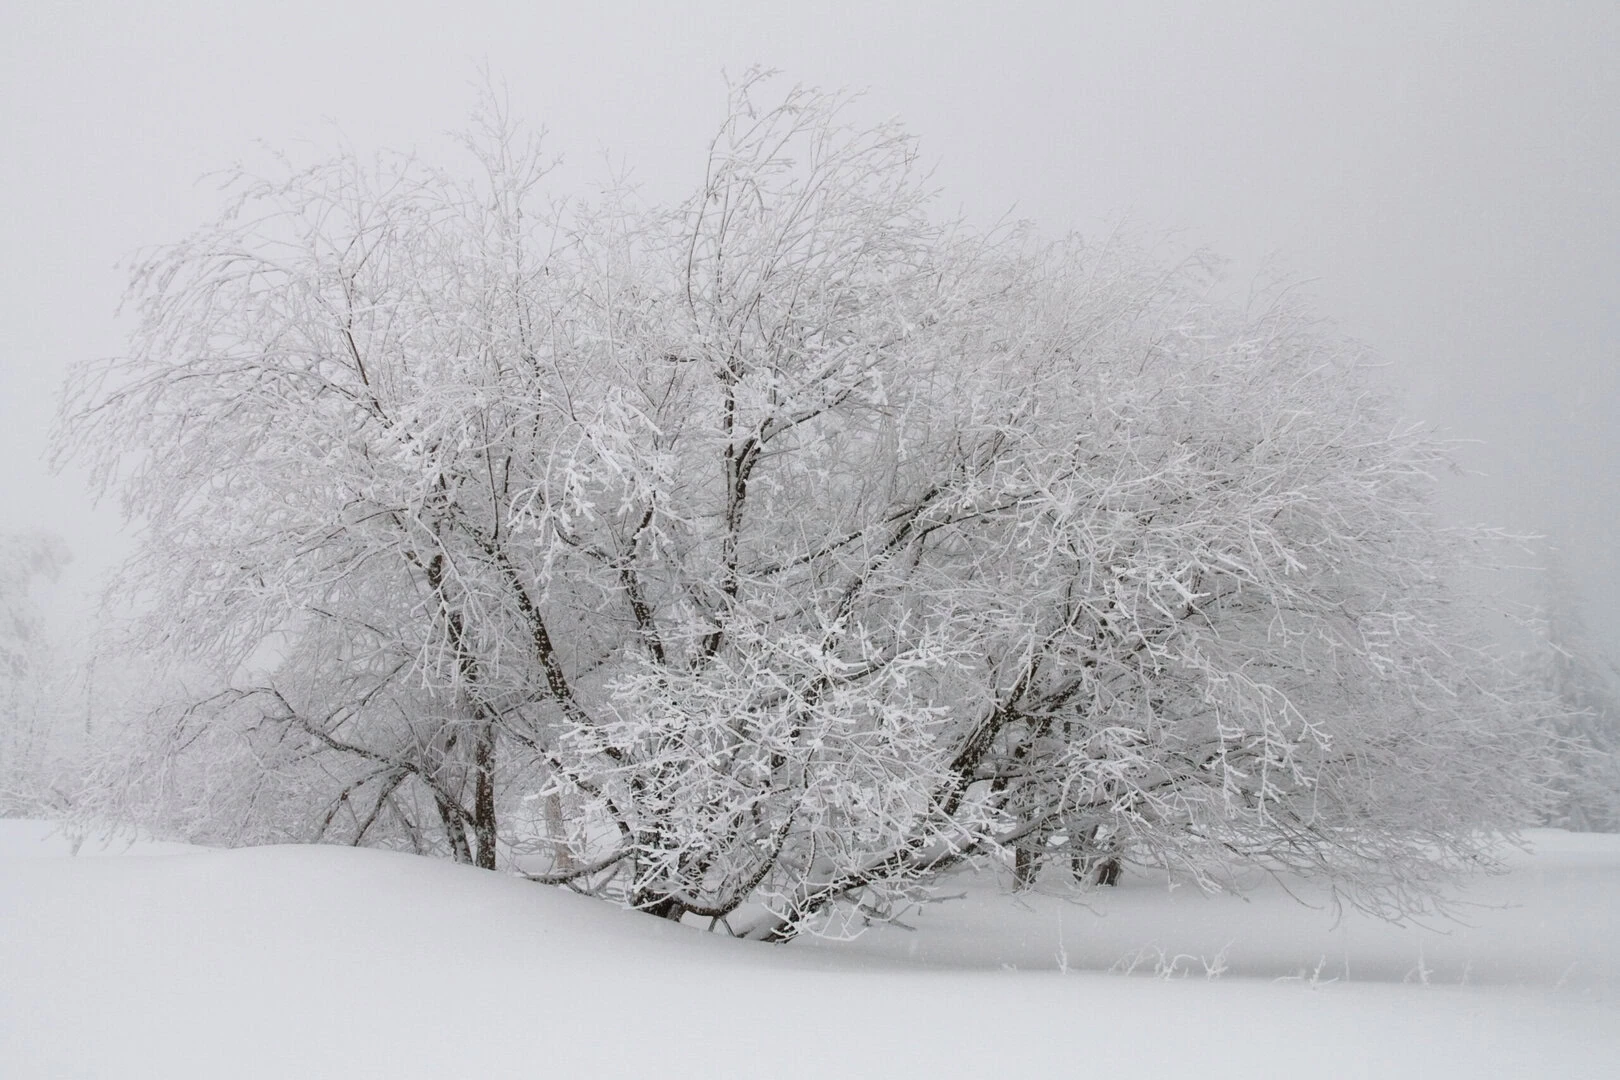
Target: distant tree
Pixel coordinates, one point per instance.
(24, 558)
(786, 546)
(27, 667)
(1586, 688)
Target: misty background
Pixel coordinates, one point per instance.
(1447, 176)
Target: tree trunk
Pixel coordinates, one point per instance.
(666, 908)
(454, 833)
(562, 856)
(484, 823)
(1101, 868)
(1026, 864)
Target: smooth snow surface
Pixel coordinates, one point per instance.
(331, 962)
(1552, 923)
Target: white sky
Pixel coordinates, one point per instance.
(1448, 172)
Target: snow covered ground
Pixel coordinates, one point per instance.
(330, 962)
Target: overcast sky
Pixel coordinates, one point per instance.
(1447, 173)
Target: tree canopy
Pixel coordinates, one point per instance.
(772, 551)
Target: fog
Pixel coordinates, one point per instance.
(1447, 176)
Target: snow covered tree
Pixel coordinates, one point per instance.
(29, 673)
(24, 558)
(1587, 714)
(768, 553)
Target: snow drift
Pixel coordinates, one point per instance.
(321, 961)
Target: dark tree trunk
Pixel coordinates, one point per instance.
(454, 833)
(665, 908)
(484, 824)
(1101, 869)
(1108, 871)
(1026, 864)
